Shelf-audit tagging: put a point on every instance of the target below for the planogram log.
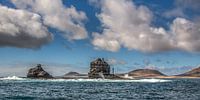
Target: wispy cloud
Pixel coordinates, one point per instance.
(114, 61)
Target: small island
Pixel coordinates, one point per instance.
(140, 73)
(99, 68)
(38, 72)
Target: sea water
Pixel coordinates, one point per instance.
(99, 89)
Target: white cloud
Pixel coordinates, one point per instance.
(186, 34)
(127, 25)
(56, 15)
(22, 29)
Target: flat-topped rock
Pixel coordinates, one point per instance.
(38, 72)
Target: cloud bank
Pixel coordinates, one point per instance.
(22, 29)
(56, 15)
(27, 26)
(127, 25)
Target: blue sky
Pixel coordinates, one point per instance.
(81, 29)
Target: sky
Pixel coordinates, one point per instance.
(66, 35)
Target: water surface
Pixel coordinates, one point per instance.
(86, 89)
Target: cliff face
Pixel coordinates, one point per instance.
(193, 73)
(145, 73)
(38, 72)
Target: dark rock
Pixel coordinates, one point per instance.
(38, 72)
(145, 73)
(99, 69)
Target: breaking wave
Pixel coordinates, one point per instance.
(83, 80)
(12, 78)
(108, 80)
(151, 80)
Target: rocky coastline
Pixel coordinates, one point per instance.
(101, 69)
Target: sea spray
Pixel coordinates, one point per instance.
(15, 78)
(12, 78)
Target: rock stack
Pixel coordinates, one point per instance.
(99, 69)
(38, 72)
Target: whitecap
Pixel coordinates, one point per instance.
(109, 80)
(12, 78)
(83, 80)
(151, 80)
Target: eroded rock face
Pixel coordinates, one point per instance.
(99, 69)
(38, 72)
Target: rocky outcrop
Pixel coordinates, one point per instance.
(145, 73)
(38, 72)
(193, 73)
(99, 69)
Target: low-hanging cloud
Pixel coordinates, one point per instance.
(19, 28)
(56, 15)
(127, 25)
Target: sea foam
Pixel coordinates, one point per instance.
(12, 78)
(109, 80)
(83, 80)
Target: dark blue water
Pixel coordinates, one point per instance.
(176, 89)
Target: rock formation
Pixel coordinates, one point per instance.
(38, 72)
(99, 69)
(193, 73)
(145, 73)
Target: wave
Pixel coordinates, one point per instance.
(12, 78)
(108, 80)
(151, 80)
(83, 80)
(104, 80)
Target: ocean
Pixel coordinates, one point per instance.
(12, 88)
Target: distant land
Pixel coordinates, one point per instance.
(152, 73)
(39, 72)
(193, 73)
(145, 73)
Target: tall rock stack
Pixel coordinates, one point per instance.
(99, 69)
